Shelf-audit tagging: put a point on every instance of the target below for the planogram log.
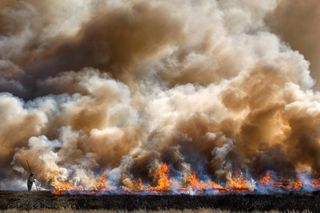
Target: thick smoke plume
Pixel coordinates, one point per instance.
(295, 21)
(119, 87)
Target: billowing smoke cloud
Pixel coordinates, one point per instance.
(118, 87)
(296, 21)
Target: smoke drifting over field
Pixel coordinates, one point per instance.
(120, 87)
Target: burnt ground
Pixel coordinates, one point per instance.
(233, 202)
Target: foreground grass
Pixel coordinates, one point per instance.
(138, 211)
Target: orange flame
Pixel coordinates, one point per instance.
(63, 186)
(195, 183)
(163, 182)
(237, 183)
(266, 180)
(297, 184)
(59, 187)
(286, 184)
(100, 184)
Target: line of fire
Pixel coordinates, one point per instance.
(163, 182)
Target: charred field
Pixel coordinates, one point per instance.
(129, 202)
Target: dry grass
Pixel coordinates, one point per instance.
(138, 211)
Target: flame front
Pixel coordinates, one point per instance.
(60, 186)
(98, 186)
(238, 184)
(164, 182)
(194, 183)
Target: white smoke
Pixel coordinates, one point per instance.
(94, 87)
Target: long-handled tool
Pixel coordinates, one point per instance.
(30, 171)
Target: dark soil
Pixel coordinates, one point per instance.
(234, 202)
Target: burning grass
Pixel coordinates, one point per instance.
(165, 183)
